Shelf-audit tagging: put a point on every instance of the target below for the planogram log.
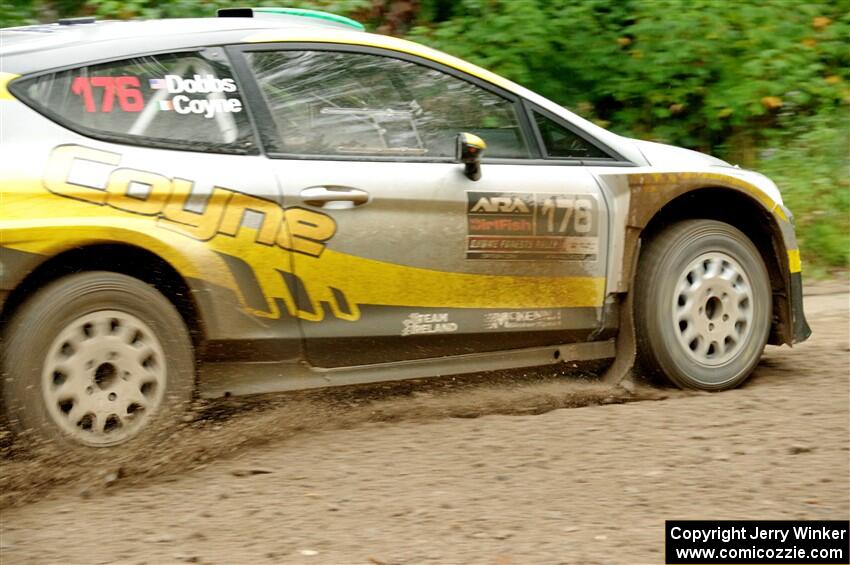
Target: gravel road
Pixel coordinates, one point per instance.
(501, 470)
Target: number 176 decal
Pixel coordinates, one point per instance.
(125, 88)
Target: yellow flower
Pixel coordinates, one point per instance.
(821, 22)
(771, 102)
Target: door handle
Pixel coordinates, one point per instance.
(336, 197)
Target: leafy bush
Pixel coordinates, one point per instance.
(809, 162)
(689, 72)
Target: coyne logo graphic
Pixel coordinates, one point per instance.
(209, 106)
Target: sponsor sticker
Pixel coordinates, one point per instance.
(535, 226)
(526, 319)
(198, 84)
(433, 323)
(214, 103)
(182, 104)
(105, 93)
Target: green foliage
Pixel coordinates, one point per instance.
(18, 12)
(689, 72)
(32, 11)
(763, 83)
(810, 162)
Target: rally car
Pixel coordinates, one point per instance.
(274, 199)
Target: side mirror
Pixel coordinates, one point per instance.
(470, 148)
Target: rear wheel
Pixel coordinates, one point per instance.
(702, 305)
(96, 359)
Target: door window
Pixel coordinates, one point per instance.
(181, 100)
(353, 104)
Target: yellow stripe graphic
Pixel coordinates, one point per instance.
(367, 281)
(5, 78)
(795, 265)
(37, 221)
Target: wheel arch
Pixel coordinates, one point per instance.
(760, 225)
(124, 258)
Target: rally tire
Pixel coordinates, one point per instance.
(96, 360)
(702, 305)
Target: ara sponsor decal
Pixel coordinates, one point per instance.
(503, 225)
(532, 226)
(526, 319)
(503, 204)
(434, 323)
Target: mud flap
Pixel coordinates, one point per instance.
(802, 331)
(621, 372)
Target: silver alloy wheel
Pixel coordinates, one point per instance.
(104, 375)
(713, 309)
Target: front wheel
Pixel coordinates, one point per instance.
(96, 359)
(702, 305)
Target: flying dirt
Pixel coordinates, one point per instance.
(502, 468)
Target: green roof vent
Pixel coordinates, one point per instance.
(302, 12)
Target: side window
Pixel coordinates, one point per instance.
(338, 103)
(560, 142)
(181, 100)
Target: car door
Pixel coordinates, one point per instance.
(418, 260)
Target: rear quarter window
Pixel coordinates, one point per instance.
(561, 143)
(179, 101)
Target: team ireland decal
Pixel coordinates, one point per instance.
(436, 323)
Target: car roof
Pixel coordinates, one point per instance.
(33, 48)
(73, 30)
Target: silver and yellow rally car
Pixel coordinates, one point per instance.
(275, 199)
